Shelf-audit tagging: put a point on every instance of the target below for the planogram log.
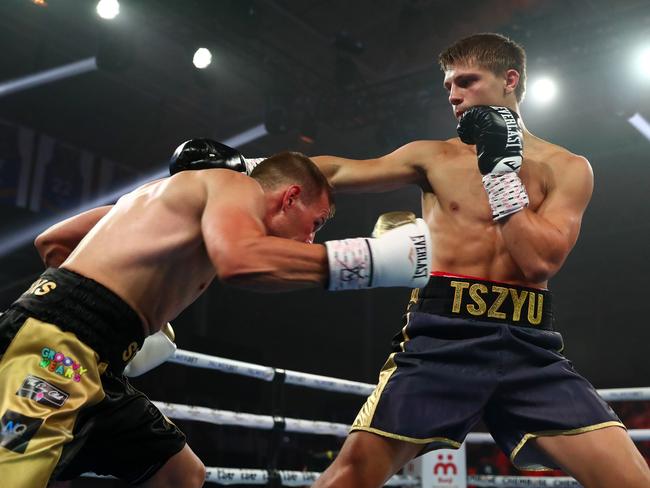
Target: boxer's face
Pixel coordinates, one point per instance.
(300, 221)
(469, 85)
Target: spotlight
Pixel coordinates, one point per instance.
(202, 58)
(641, 124)
(108, 9)
(643, 62)
(543, 90)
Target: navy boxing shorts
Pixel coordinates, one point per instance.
(65, 406)
(471, 350)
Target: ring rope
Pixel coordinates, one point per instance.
(267, 373)
(236, 476)
(255, 421)
(268, 422)
(516, 481)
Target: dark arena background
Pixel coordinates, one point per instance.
(349, 78)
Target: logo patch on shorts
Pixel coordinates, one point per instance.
(17, 430)
(130, 351)
(42, 392)
(58, 363)
(41, 287)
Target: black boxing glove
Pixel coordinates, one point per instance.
(499, 148)
(497, 135)
(205, 154)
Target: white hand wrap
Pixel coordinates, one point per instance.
(251, 163)
(156, 349)
(506, 193)
(400, 257)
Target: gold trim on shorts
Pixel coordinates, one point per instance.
(367, 412)
(365, 415)
(415, 296)
(413, 440)
(405, 336)
(551, 433)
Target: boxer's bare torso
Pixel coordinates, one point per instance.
(149, 248)
(466, 241)
(160, 246)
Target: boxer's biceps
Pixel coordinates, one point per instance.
(367, 175)
(565, 203)
(228, 230)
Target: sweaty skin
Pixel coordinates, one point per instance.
(526, 248)
(161, 245)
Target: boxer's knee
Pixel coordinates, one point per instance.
(366, 461)
(196, 474)
(342, 476)
(183, 470)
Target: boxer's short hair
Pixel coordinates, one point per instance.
(290, 167)
(490, 51)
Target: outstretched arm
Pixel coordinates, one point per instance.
(244, 255)
(404, 166)
(55, 244)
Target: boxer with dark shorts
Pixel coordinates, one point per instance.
(474, 349)
(505, 206)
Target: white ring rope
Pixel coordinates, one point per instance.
(268, 422)
(516, 481)
(264, 422)
(235, 476)
(267, 373)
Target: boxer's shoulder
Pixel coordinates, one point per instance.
(433, 152)
(216, 183)
(553, 154)
(553, 164)
(444, 147)
(226, 189)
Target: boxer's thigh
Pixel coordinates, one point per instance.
(129, 437)
(48, 378)
(540, 394)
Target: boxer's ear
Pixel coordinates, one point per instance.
(290, 196)
(511, 80)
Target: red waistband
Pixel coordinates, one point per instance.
(468, 277)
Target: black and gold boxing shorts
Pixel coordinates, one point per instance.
(473, 349)
(65, 407)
